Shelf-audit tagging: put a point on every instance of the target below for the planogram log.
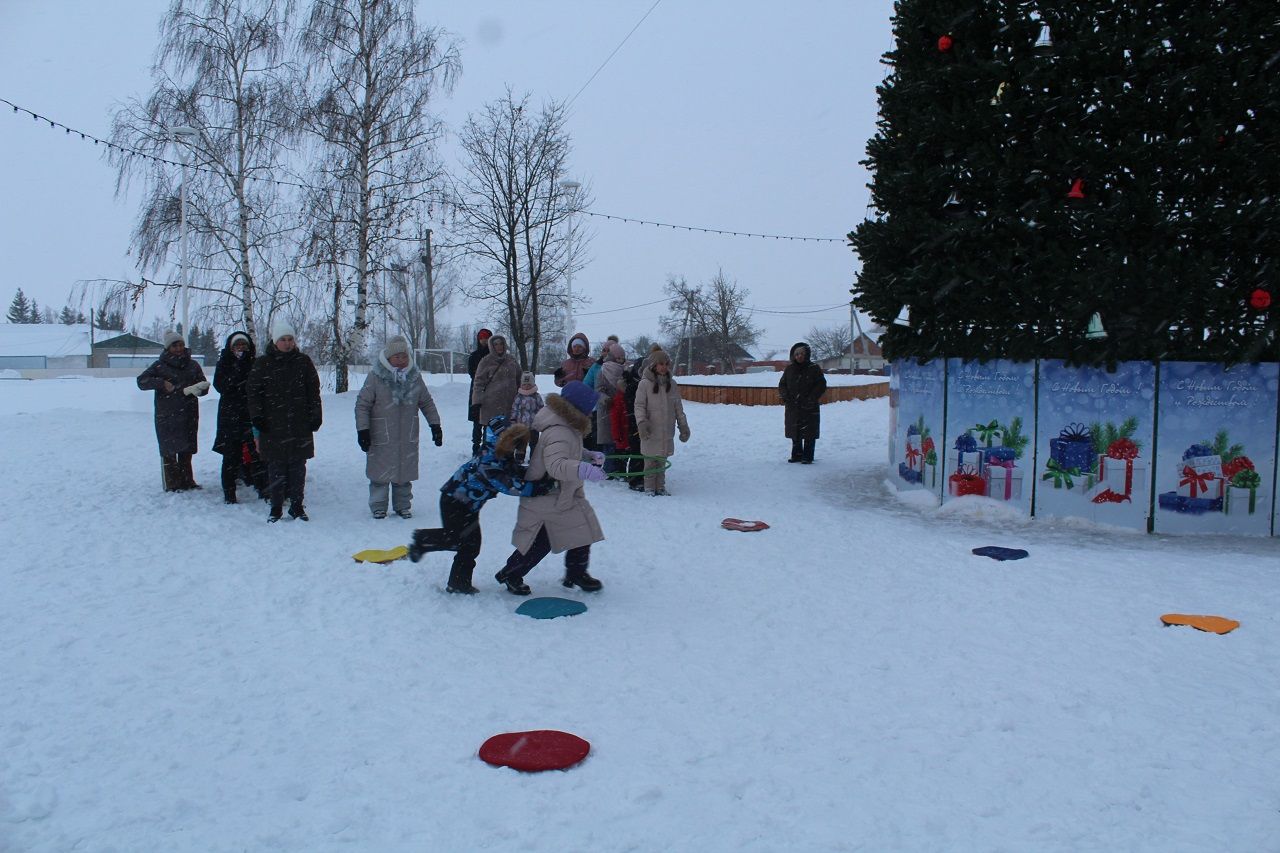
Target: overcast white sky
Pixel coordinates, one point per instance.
(729, 114)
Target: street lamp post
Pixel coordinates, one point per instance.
(571, 187)
(184, 135)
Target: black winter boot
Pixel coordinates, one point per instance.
(582, 580)
(513, 582)
(296, 511)
(460, 582)
(807, 459)
(797, 450)
(276, 511)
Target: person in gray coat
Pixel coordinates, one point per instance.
(562, 521)
(497, 381)
(177, 380)
(659, 411)
(387, 428)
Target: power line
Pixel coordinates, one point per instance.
(134, 152)
(610, 56)
(615, 310)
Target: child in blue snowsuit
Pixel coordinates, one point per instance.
(493, 470)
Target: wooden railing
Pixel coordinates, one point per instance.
(742, 396)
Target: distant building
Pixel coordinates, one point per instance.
(43, 345)
(128, 351)
(705, 358)
(862, 354)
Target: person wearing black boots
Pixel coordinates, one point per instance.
(177, 380)
(495, 470)
(284, 405)
(562, 521)
(801, 387)
(473, 410)
(234, 439)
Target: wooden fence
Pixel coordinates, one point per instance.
(742, 396)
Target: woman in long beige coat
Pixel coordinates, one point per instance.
(562, 520)
(497, 380)
(659, 410)
(387, 428)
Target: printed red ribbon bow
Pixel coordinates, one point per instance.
(1197, 481)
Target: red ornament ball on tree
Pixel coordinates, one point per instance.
(1260, 300)
(944, 43)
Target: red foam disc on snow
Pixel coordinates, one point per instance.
(744, 526)
(545, 749)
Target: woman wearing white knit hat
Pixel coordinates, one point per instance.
(387, 427)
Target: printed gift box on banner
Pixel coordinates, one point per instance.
(1242, 492)
(966, 481)
(1121, 469)
(989, 434)
(912, 470)
(1073, 448)
(929, 476)
(1003, 478)
(1200, 473)
(965, 455)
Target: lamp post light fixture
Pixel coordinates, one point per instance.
(570, 187)
(184, 135)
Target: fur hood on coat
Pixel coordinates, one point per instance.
(512, 439)
(565, 410)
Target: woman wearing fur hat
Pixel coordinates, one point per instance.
(284, 406)
(387, 428)
(801, 387)
(235, 432)
(608, 383)
(562, 520)
(659, 411)
(177, 380)
(497, 379)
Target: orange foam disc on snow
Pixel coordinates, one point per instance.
(1213, 624)
(744, 526)
(545, 749)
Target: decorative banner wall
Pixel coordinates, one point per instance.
(1216, 460)
(1094, 440)
(917, 431)
(990, 424)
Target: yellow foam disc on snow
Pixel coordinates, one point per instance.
(1214, 624)
(374, 555)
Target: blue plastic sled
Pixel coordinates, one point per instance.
(997, 553)
(550, 608)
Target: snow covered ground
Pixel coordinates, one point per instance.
(178, 675)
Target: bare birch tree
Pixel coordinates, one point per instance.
(373, 73)
(714, 316)
(220, 70)
(514, 218)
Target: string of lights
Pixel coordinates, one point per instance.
(134, 152)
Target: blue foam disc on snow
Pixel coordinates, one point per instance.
(995, 552)
(550, 608)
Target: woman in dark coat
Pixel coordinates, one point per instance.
(235, 432)
(473, 410)
(284, 405)
(178, 381)
(801, 387)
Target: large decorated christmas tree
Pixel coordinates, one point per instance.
(1037, 164)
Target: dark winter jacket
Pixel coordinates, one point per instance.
(473, 361)
(801, 387)
(494, 470)
(284, 404)
(177, 413)
(231, 378)
(574, 368)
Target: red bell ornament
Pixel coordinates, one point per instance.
(1260, 300)
(944, 43)
(1076, 193)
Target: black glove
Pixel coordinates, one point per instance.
(260, 424)
(437, 435)
(362, 438)
(474, 412)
